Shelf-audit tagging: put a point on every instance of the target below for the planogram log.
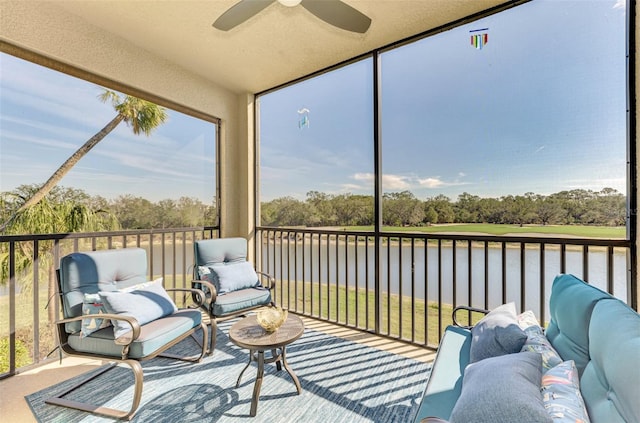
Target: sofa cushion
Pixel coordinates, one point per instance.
(502, 389)
(610, 382)
(561, 394)
(570, 307)
(496, 334)
(145, 304)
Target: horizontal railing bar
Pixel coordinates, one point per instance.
(80, 235)
(601, 242)
(412, 309)
(40, 256)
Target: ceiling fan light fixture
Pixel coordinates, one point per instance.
(333, 12)
(289, 3)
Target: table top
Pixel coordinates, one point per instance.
(247, 333)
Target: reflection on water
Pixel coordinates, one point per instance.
(406, 270)
(415, 273)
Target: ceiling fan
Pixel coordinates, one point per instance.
(334, 12)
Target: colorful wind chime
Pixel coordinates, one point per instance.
(479, 37)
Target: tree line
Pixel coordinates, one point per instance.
(575, 207)
(73, 210)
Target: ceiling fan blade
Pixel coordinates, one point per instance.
(338, 14)
(239, 13)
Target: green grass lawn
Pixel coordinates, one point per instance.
(398, 315)
(607, 232)
(357, 308)
(24, 325)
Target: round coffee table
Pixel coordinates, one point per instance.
(247, 333)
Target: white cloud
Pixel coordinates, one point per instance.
(368, 177)
(351, 187)
(389, 182)
(619, 184)
(395, 182)
(431, 183)
(398, 182)
(620, 4)
(59, 131)
(11, 136)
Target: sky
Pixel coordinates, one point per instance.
(540, 108)
(46, 115)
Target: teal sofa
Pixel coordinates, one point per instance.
(599, 332)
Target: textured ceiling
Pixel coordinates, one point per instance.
(276, 46)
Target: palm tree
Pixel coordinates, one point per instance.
(53, 214)
(141, 115)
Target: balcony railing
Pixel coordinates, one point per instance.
(28, 300)
(397, 285)
(404, 285)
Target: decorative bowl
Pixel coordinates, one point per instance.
(272, 318)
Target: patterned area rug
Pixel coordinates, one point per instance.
(342, 381)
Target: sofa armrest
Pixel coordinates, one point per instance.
(469, 310)
(445, 380)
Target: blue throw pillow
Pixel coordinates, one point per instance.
(231, 277)
(538, 342)
(502, 389)
(205, 274)
(146, 304)
(497, 333)
(561, 394)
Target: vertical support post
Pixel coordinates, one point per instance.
(377, 164)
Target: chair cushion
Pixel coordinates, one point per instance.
(153, 336)
(210, 252)
(502, 389)
(497, 333)
(146, 304)
(94, 271)
(233, 302)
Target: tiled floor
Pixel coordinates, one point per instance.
(14, 408)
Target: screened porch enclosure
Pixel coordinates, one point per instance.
(380, 127)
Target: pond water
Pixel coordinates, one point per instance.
(400, 272)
